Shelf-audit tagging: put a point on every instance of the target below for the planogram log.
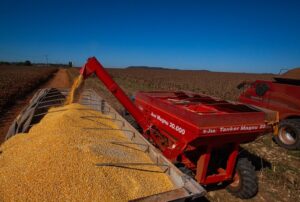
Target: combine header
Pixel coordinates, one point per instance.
(198, 133)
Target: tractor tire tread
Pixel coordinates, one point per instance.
(249, 186)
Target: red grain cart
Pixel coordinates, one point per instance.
(198, 133)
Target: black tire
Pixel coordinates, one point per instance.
(246, 186)
(289, 134)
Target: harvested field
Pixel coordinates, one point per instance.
(17, 81)
(278, 170)
(56, 161)
(60, 79)
(218, 84)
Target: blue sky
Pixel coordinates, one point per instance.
(243, 36)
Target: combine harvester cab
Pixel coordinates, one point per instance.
(282, 95)
(198, 133)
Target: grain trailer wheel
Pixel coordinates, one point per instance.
(289, 134)
(244, 183)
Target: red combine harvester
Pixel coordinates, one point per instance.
(282, 95)
(198, 133)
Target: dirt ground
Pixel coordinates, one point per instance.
(59, 80)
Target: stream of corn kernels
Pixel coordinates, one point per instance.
(76, 84)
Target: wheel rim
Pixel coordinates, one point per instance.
(236, 180)
(287, 135)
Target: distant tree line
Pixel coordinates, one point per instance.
(25, 63)
(29, 63)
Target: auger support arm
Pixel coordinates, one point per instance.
(94, 66)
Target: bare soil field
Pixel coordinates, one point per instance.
(17, 81)
(17, 86)
(277, 169)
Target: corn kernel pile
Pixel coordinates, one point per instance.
(56, 160)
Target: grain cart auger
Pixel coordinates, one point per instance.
(198, 133)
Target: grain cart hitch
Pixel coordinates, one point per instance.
(198, 133)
